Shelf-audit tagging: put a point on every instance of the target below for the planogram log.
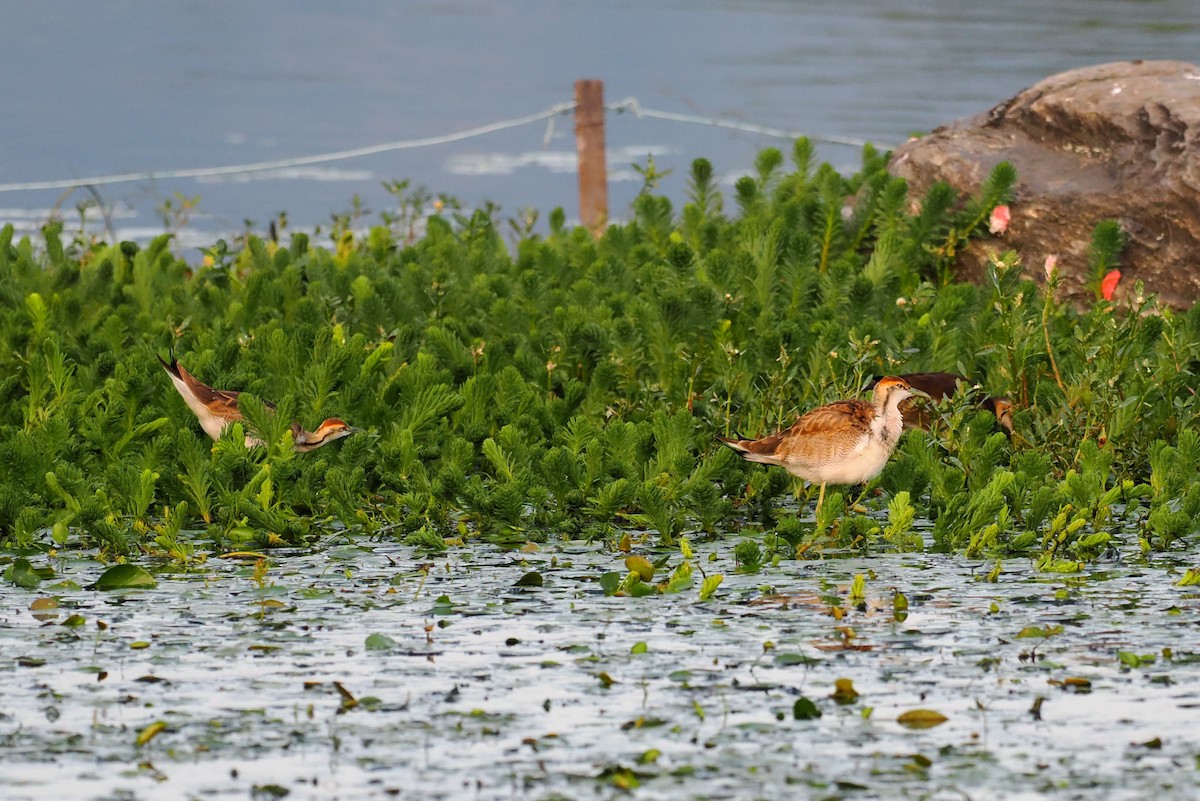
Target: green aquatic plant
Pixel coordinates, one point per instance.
(563, 385)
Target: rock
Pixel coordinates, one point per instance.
(1116, 141)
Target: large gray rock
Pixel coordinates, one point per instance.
(1115, 141)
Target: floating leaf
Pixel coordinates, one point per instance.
(611, 582)
(1034, 631)
(606, 680)
(921, 719)
(805, 709)
(1131, 660)
(125, 577)
(149, 733)
(44, 608)
(640, 589)
(21, 573)
(243, 555)
(379, 642)
(844, 692)
(530, 579)
(788, 659)
(639, 648)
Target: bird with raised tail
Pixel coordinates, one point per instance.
(217, 408)
(844, 442)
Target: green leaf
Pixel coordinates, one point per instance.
(125, 577)
(530, 579)
(805, 709)
(610, 582)
(379, 642)
(21, 573)
(789, 659)
(710, 586)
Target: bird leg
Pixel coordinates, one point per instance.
(820, 500)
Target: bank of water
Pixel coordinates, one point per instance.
(371, 670)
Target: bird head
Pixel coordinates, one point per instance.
(1002, 409)
(890, 390)
(327, 432)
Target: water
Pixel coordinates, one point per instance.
(492, 691)
(101, 88)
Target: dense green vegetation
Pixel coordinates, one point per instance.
(567, 386)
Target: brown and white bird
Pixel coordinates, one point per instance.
(217, 408)
(844, 442)
(939, 386)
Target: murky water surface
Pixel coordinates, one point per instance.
(486, 690)
(101, 88)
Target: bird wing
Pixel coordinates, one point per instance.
(220, 402)
(828, 432)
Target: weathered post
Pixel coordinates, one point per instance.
(589, 145)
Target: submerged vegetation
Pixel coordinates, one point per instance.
(570, 386)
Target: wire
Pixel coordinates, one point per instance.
(631, 104)
(628, 105)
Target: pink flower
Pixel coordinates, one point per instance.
(998, 223)
(1050, 266)
(1108, 285)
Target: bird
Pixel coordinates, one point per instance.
(217, 408)
(939, 386)
(844, 442)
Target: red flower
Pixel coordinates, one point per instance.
(998, 223)
(1109, 284)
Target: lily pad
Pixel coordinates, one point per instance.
(379, 642)
(805, 709)
(921, 719)
(125, 577)
(21, 573)
(530, 579)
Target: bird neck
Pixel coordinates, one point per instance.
(888, 422)
(304, 440)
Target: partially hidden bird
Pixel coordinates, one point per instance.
(939, 386)
(844, 442)
(217, 408)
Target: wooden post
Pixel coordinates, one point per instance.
(589, 145)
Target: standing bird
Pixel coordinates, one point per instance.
(217, 408)
(844, 442)
(939, 386)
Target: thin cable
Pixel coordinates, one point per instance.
(632, 105)
(204, 172)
